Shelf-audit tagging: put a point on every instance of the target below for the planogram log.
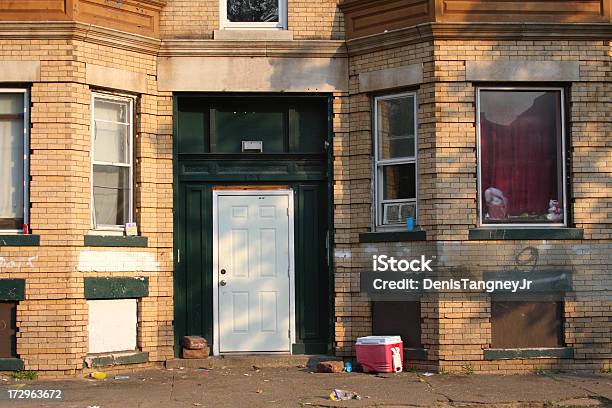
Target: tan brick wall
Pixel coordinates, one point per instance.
(308, 20)
(456, 330)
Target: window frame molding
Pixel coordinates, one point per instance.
(378, 216)
(131, 102)
(276, 26)
(563, 148)
(26, 156)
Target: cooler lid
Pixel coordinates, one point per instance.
(379, 340)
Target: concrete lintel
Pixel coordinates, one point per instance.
(252, 74)
(19, 71)
(115, 78)
(406, 75)
(251, 35)
(521, 70)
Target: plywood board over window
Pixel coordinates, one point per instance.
(112, 325)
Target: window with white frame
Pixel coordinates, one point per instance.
(266, 14)
(14, 154)
(395, 130)
(521, 156)
(112, 169)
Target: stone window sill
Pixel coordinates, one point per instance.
(237, 34)
(527, 353)
(115, 241)
(113, 359)
(11, 364)
(116, 288)
(500, 234)
(19, 240)
(392, 236)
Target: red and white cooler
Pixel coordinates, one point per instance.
(380, 354)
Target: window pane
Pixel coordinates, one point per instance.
(395, 128)
(310, 119)
(233, 124)
(11, 160)
(111, 142)
(111, 192)
(11, 103)
(521, 156)
(399, 181)
(526, 324)
(110, 110)
(257, 11)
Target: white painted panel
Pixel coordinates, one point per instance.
(240, 253)
(267, 253)
(240, 312)
(117, 261)
(239, 212)
(267, 211)
(268, 309)
(112, 325)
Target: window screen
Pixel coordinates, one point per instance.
(526, 324)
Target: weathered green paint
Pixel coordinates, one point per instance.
(306, 172)
(415, 353)
(11, 364)
(515, 354)
(19, 240)
(12, 289)
(115, 241)
(395, 236)
(116, 288)
(542, 281)
(482, 234)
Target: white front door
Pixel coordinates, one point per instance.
(253, 272)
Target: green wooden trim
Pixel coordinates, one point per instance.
(482, 234)
(526, 353)
(11, 364)
(19, 240)
(105, 360)
(12, 289)
(309, 348)
(116, 288)
(415, 353)
(392, 236)
(115, 241)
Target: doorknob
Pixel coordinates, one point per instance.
(222, 283)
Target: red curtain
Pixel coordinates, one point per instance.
(520, 158)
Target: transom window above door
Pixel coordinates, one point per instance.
(264, 14)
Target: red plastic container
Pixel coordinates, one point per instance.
(375, 354)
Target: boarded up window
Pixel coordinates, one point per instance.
(8, 330)
(112, 325)
(398, 319)
(526, 324)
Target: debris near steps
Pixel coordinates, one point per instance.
(330, 367)
(195, 347)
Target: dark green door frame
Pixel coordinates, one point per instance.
(310, 177)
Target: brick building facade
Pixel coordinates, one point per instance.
(167, 67)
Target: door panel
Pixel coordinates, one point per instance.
(253, 260)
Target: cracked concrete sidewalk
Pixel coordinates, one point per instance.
(289, 387)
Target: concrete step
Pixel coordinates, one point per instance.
(247, 361)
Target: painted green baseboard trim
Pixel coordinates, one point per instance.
(19, 240)
(105, 360)
(525, 353)
(11, 364)
(415, 353)
(394, 236)
(116, 288)
(12, 289)
(115, 241)
(484, 234)
(309, 348)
